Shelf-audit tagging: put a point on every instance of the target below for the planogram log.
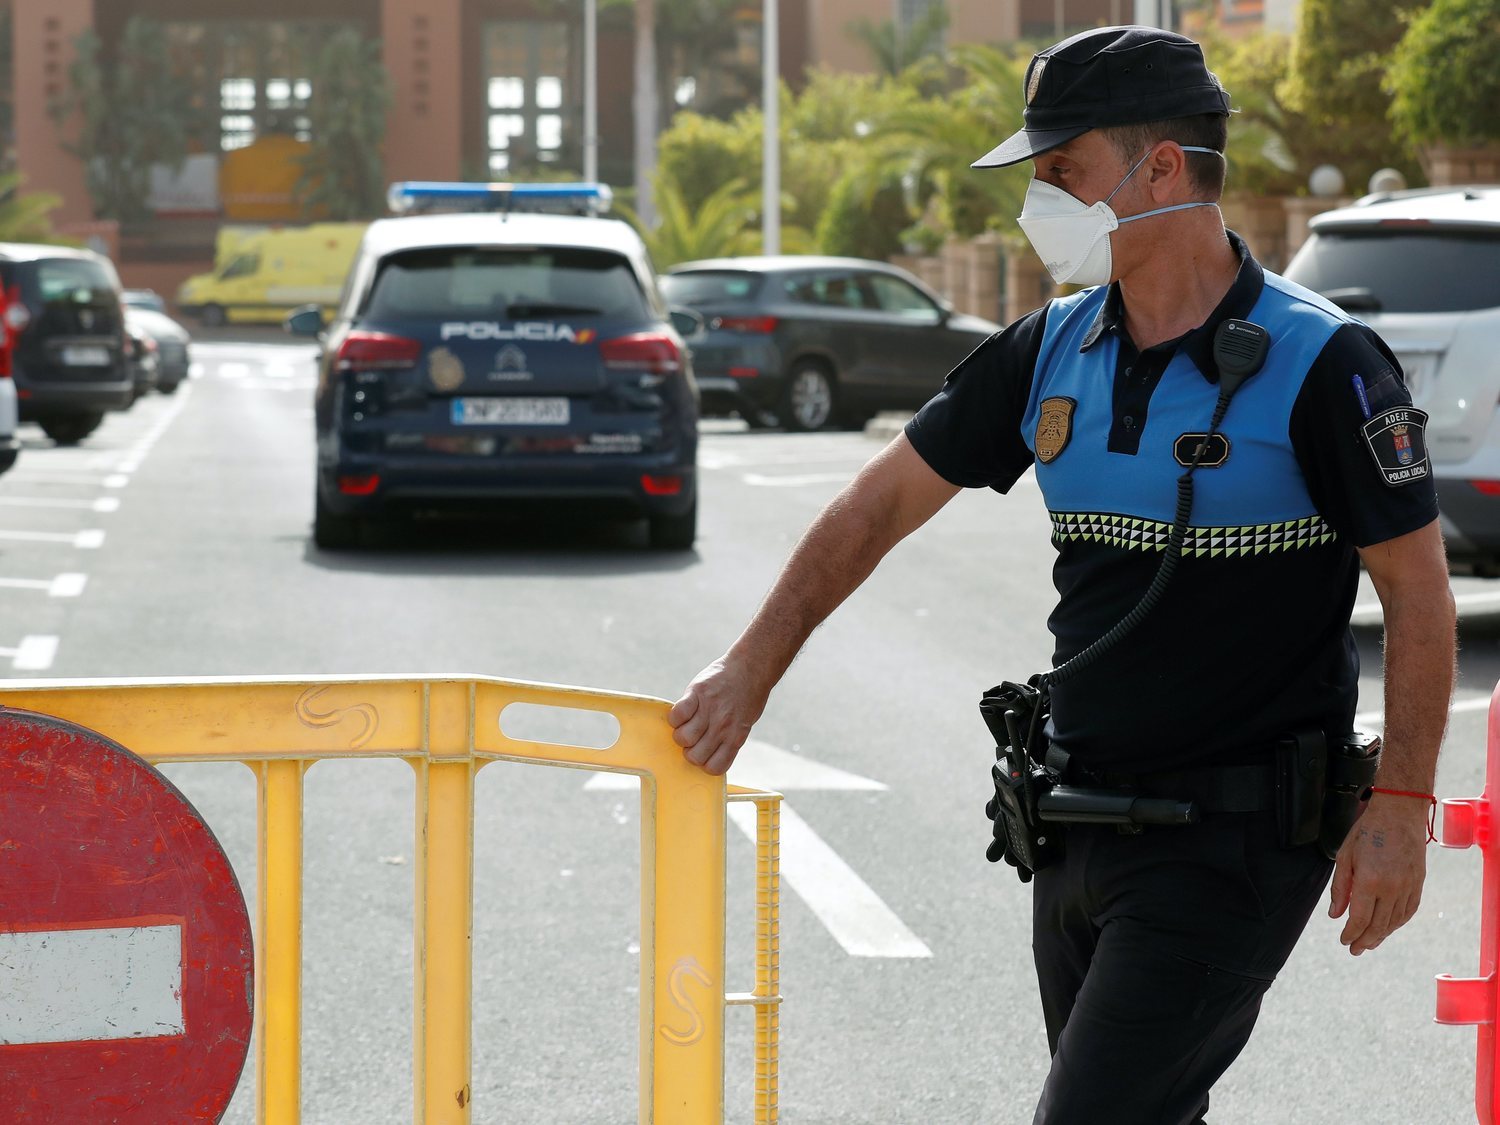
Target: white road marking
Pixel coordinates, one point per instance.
(67, 585)
(116, 480)
(32, 476)
(761, 765)
(233, 370)
(106, 504)
(34, 654)
(797, 481)
(852, 912)
(279, 370)
(63, 586)
(89, 540)
(77, 539)
(62, 986)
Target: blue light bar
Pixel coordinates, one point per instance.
(422, 195)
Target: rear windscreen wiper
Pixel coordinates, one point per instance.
(537, 308)
(1355, 300)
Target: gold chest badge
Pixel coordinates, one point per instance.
(1053, 428)
(446, 369)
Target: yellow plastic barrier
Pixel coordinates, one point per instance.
(447, 729)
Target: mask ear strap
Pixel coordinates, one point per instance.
(1126, 180)
(1142, 160)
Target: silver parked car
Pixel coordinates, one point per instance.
(173, 344)
(1422, 268)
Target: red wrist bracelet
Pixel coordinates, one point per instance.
(1431, 800)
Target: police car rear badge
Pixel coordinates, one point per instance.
(1398, 441)
(446, 369)
(1053, 428)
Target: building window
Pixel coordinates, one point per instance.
(529, 115)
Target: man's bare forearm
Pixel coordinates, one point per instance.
(892, 496)
(1419, 674)
(837, 553)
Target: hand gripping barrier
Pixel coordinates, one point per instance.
(448, 729)
(1469, 822)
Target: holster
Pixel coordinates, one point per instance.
(1301, 787)
(1016, 715)
(1353, 760)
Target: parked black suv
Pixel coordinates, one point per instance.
(478, 359)
(71, 362)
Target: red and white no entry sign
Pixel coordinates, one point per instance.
(126, 962)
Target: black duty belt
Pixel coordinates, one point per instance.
(1238, 788)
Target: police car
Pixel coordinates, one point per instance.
(503, 353)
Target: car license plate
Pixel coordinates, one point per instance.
(1418, 369)
(85, 357)
(510, 411)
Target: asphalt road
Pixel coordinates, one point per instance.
(175, 543)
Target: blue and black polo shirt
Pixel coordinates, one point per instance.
(1321, 452)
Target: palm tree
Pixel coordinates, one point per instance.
(725, 224)
(932, 142)
(895, 47)
(343, 174)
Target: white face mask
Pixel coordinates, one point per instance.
(1072, 238)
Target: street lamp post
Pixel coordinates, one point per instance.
(591, 91)
(770, 204)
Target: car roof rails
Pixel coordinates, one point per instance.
(425, 197)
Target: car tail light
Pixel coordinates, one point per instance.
(370, 351)
(359, 486)
(651, 353)
(661, 486)
(744, 372)
(749, 325)
(1487, 487)
(17, 315)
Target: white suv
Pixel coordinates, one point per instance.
(1422, 268)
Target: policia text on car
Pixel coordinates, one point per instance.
(1202, 433)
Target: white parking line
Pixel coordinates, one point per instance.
(84, 539)
(104, 504)
(35, 653)
(67, 585)
(63, 586)
(233, 370)
(30, 476)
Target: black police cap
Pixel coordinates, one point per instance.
(1109, 76)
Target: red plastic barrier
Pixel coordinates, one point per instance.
(1468, 822)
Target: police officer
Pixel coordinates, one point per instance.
(1154, 948)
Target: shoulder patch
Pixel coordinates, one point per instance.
(1054, 428)
(1398, 441)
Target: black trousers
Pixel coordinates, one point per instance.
(1153, 953)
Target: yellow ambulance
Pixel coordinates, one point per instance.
(262, 273)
